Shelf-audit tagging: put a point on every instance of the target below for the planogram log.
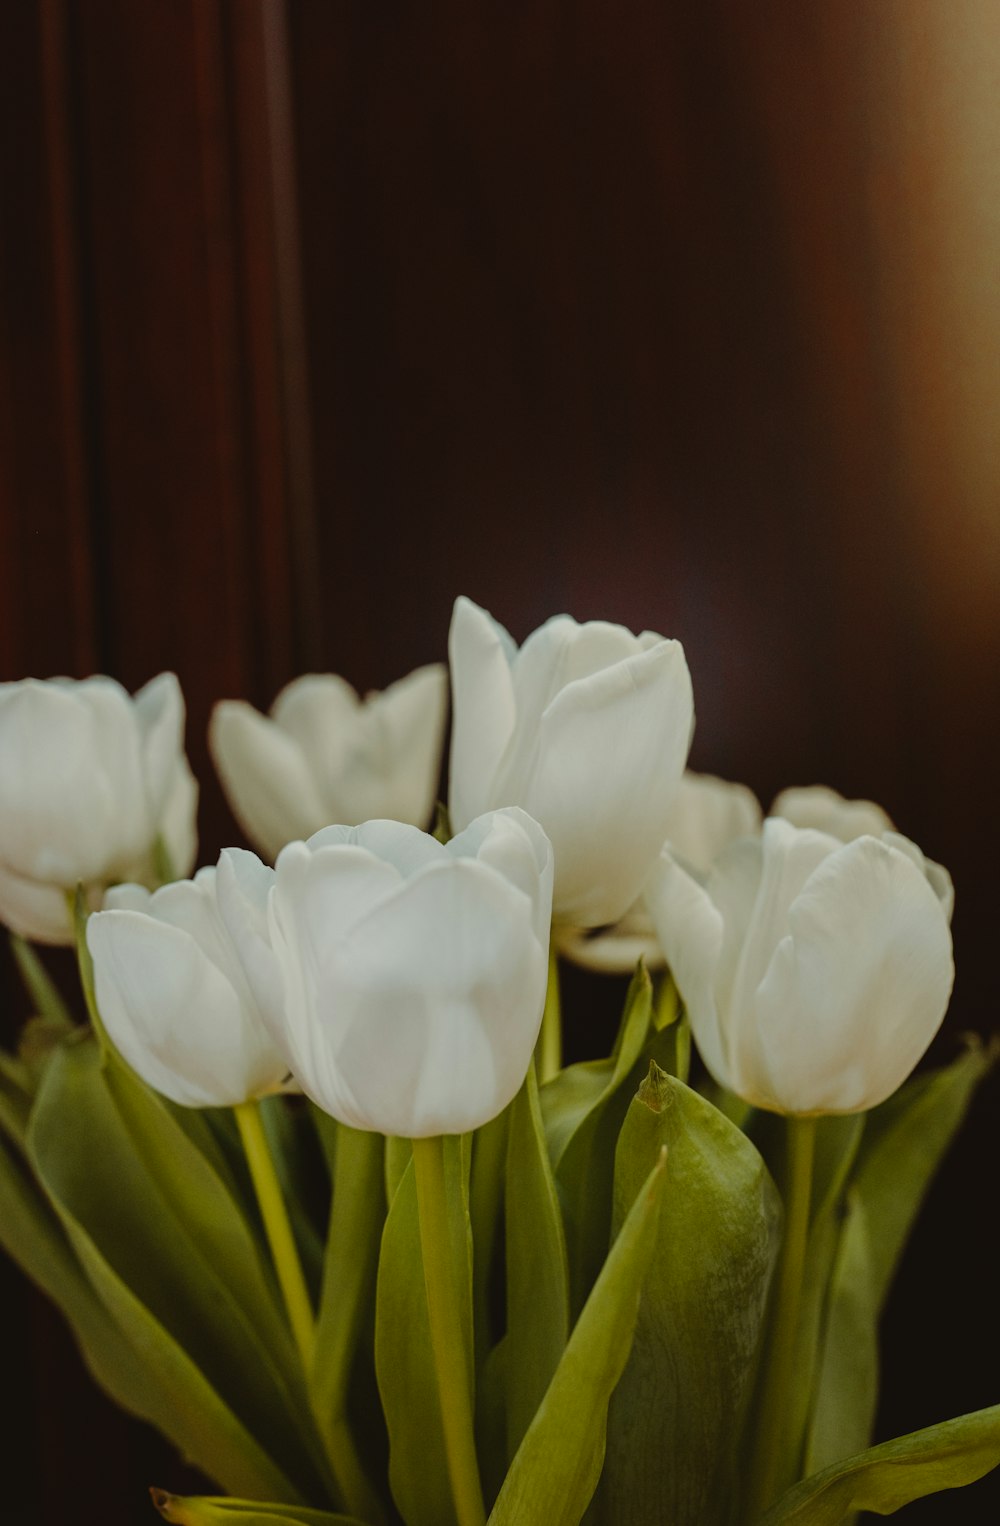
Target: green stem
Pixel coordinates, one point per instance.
(772, 1469)
(38, 983)
(549, 1048)
(668, 1003)
(79, 911)
(447, 1341)
(277, 1227)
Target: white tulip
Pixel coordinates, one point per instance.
(403, 980)
(815, 973)
(174, 999)
(707, 814)
(587, 728)
(325, 755)
(90, 778)
(816, 805)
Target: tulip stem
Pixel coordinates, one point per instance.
(277, 1228)
(549, 1050)
(772, 1468)
(39, 983)
(447, 1341)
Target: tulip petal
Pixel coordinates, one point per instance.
(34, 910)
(179, 819)
(243, 889)
(319, 711)
(513, 843)
(788, 856)
(174, 1016)
(423, 1021)
(409, 717)
(159, 711)
(267, 782)
(484, 712)
(629, 727)
(405, 847)
(816, 805)
(690, 930)
(56, 804)
(936, 874)
(856, 991)
(709, 813)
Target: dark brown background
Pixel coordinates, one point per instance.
(315, 314)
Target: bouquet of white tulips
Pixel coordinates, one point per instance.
(311, 1183)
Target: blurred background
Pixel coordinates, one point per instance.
(316, 313)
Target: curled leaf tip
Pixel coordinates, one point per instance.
(654, 1092)
(161, 1499)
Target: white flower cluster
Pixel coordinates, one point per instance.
(399, 981)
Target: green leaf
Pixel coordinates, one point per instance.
(584, 1113)
(836, 1148)
(537, 1270)
(203, 1511)
(39, 984)
(884, 1479)
(346, 1320)
(555, 1472)
(904, 1142)
(404, 1360)
(901, 1147)
(31, 1233)
(847, 1386)
(177, 1271)
(397, 1158)
(15, 1105)
(486, 1203)
(675, 1418)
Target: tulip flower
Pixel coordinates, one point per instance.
(173, 997)
(587, 728)
(815, 973)
(93, 785)
(325, 755)
(707, 814)
(402, 980)
(816, 805)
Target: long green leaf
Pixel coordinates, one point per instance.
(31, 1233)
(585, 1138)
(675, 1417)
(201, 1510)
(346, 1321)
(903, 1145)
(847, 1387)
(884, 1479)
(166, 1273)
(553, 1477)
(404, 1360)
(537, 1270)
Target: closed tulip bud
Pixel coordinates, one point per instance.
(325, 755)
(173, 997)
(91, 779)
(707, 814)
(403, 980)
(815, 973)
(587, 728)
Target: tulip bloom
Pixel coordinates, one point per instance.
(816, 805)
(587, 728)
(815, 973)
(174, 1000)
(707, 814)
(173, 997)
(90, 779)
(325, 755)
(402, 980)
